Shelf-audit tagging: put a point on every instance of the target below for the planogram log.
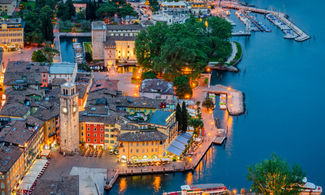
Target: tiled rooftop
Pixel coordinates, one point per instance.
(8, 156)
(156, 86)
(142, 136)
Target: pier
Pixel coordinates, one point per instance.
(302, 36)
(235, 98)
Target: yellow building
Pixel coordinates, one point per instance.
(11, 34)
(11, 168)
(141, 145)
(7, 6)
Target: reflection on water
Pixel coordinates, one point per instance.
(189, 178)
(123, 185)
(156, 184)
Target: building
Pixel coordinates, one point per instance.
(157, 88)
(172, 12)
(115, 45)
(141, 145)
(28, 135)
(22, 74)
(11, 33)
(69, 119)
(199, 7)
(11, 167)
(7, 7)
(63, 70)
(84, 81)
(165, 122)
(65, 185)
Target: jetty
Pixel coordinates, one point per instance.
(220, 138)
(235, 98)
(241, 33)
(302, 36)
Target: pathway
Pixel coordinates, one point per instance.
(233, 52)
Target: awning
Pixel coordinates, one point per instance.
(174, 150)
(45, 153)
(32, 174)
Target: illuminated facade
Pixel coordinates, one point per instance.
(7, 6)
(141, 145)
(115, 45)
(11, 168)
(11, 34)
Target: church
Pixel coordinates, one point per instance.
(114, 44)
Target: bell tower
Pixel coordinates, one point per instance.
(69, 119)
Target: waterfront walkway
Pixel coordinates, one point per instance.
(233, 52)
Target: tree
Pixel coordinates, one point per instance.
(208, 103)
(148, 75)
(179, 117)
(184, 117)
(106, 10)
(45, 54)
(275, 176)
(38, 56)
(198, 110)
(70, 8)
(196, 124)
(46, 14)
(91, 8)
(88, 57)
(183, 88)
(126, 10)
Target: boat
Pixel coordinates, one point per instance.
(211, 188)
(222, 102)
(310, 188)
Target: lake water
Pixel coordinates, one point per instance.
(283, 82)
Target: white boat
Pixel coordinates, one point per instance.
(310, 188)
(211, 188)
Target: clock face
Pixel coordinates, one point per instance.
(64, 110)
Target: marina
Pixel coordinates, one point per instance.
(279, 19)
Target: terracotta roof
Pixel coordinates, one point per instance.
(142, 136)
(111, 40)
(156, 86)
(8, 156)
(14, 109)
(19, 132)
(68, 185)
(105, 84)
(124, 27)
(58, 81)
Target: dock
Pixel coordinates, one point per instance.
(220, 137)
(235, 98)
(241, 33)
(302, 36)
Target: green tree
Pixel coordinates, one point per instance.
(126, 10)
(106, 10)
(197, 124)
(38, 56)
(88, 57)
(183, 88)
(148, 75)
(208, 103)
(70, 8)
(179, 117)
(91, 9)
(275, 176)
(184, 117)
(46, 14)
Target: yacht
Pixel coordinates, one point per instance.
(212, 188)
(310, 188)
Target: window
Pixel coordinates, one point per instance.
(95, 129)
(137, 144)
(88, 140)
(101, 129)
(106, 141)
(88, 134)
(137, 150)
(131, 151)
(151, 149)
(112, 141)
(131, 143)
(101, 135)
(106, 135)
(142, 143)
(156, 150)
(112, 136)
(147, 143)
(95, 135)
(123, 150)
(152, 143)
(88, 129)
(95, 140)
(101, 140)
(142, 150)
(82, 134)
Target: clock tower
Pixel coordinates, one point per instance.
(69, 119)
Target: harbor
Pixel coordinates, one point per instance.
(279, 19)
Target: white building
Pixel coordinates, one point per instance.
(64, 70)
(157, 88)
